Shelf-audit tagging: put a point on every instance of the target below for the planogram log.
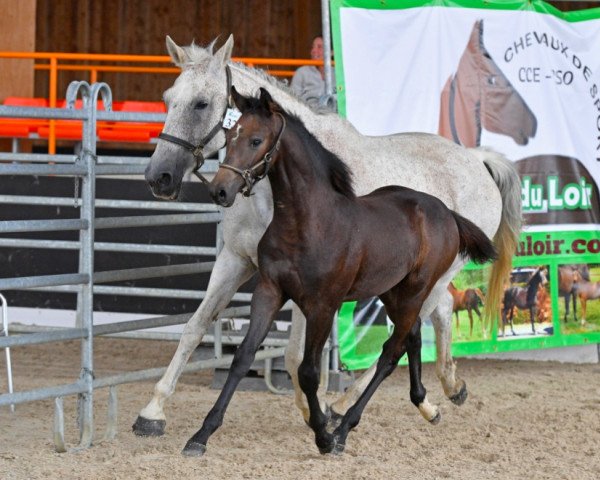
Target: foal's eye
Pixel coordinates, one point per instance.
(201, 105)
(255, 142)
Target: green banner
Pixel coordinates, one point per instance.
(548, 60)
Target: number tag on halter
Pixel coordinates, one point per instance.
(231, 116)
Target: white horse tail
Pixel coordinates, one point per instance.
(507, 236)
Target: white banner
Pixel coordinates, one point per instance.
(524, 83)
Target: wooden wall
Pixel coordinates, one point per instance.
(261, 28)
(17, 24)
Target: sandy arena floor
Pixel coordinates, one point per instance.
(521, 420)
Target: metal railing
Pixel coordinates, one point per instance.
(84, 168)
(96, 64)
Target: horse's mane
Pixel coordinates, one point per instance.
(329, 165)
(198, 55)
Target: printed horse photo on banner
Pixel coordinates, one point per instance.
(580, 289)
(479, 96)
(526, 307)
(468, 291)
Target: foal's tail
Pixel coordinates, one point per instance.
(506, 238)
(473, 243)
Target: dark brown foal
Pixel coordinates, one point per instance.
(325, 245)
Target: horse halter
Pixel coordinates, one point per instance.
(196, 150)
(249, 175)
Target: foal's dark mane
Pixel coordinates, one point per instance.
(328, 165)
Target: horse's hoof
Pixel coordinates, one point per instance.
(335, 419)
(435, 420)
(148, 428)
(193, 449)
(460, 397)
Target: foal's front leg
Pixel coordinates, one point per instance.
(266, 302)
(318, 326)
(229, 272)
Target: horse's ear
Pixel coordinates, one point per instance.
(177, 53)
(223, 55)
(239, 100)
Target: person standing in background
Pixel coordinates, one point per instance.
(309, 81)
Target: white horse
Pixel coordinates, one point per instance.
(479, 184)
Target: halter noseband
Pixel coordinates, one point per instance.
(196, 150)
(249, 175)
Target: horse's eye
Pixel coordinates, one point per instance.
(255, 142)
(201, 105)
(492, 80)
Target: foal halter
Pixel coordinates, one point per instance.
(196, 150)
(249, 175)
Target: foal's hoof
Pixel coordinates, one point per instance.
(338, 446)
(148, 428)
(435, 420)
(460, 397)
(193, 449)
(328, 414)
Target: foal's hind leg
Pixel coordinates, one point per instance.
(229, 272)
(418, 394)
(404, 318)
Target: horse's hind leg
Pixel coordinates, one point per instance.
(418, 394)
(575, 306)
(454, 387)
(229, 272)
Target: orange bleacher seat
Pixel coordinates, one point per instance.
(22, 127)
(67, 129)
(133, 131)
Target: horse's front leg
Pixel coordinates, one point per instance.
(266, 302)
(575, 306)
(318, 325)
(229, 272)
(532, 312)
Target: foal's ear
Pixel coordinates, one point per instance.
(266, 100)
(178, 55)
(240, 101)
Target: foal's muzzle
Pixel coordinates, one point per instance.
(222, 195)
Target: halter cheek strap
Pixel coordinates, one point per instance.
(250, 175)
(196, 150)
